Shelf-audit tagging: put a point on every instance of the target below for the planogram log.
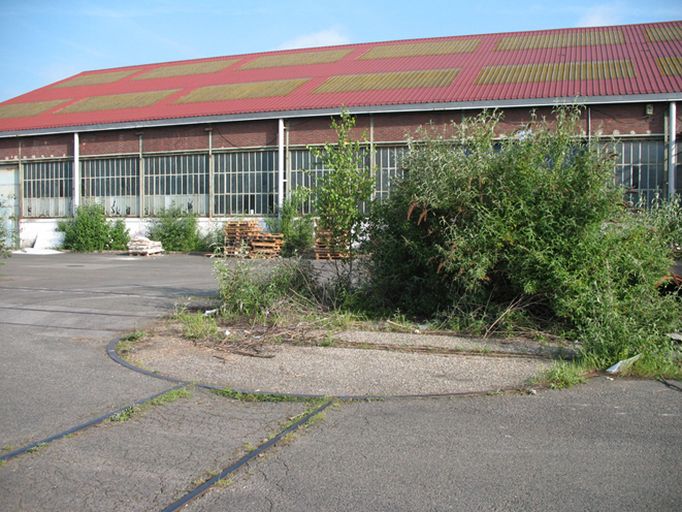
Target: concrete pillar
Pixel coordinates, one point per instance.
(76, 191)
(280, 164)
(672, 153)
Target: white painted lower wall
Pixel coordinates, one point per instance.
(43, 234)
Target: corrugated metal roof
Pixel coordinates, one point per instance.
(603, 62)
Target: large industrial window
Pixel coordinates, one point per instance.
(113, 183)
(245, 183)
(640, 169)
(388, 168)
(306, 171)
(176, 181)
(48, 189)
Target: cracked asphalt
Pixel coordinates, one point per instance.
(607, 445)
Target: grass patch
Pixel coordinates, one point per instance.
(656, 365)
(562, 375)
(196, 326)
(126, 343)
(34, 449)
(125, 414)
(257, 397)
(170, 396)
(163, 399)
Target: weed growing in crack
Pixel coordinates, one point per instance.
(34, 449)
(561, 375)
(126, 344)
(257, 397)
(163, 399)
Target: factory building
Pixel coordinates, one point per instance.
(231, 136)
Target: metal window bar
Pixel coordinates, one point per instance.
(640, 169)
(245, 183)
(176, 181)
(113, 183)
(308, 170)
(388, 168)
(47, 189)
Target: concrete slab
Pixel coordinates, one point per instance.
(144, 463)
(603, 446)
(57, 314)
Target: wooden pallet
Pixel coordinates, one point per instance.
(325, 249)
(246, 239)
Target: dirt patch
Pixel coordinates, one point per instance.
(332, 371)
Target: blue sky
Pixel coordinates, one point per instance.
(47, 40)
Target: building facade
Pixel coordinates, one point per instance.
(231, 137)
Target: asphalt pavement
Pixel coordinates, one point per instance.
(607, 445)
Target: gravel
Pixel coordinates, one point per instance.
(337, 371)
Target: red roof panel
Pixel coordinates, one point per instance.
(637, 48)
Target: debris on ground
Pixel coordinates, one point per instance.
(143, 246)
(622, 365)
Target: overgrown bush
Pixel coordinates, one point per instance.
(89, 231)
(296, 226)
(176, 229)
(666, 218)
(252, 293)
(526, 230)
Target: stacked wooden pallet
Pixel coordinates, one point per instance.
(326, 248)
(246, 239)
(266, 245)
(143, 246)
(237, 235)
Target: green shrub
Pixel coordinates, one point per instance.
(118, 236)
(213, 241)
(5, 241)
(253, 293)
(89, 231)
(176, 229)
(532, 228)
(666, 218)
(297, 227)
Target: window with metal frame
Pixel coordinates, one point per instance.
(176, 181)
(48, 189)
(113, 183)
(245, 183)
(640, 169)
(306, 170)
(388, 169)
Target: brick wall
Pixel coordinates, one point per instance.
(622, 120)
(245, 134)
(107, 143)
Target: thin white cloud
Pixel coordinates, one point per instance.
(603, 14)
(327, 37)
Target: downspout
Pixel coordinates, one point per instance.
(280, 165)
(672, 154)
(76, 173)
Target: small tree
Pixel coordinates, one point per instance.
(343, 190)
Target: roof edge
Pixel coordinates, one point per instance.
(359, 110)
